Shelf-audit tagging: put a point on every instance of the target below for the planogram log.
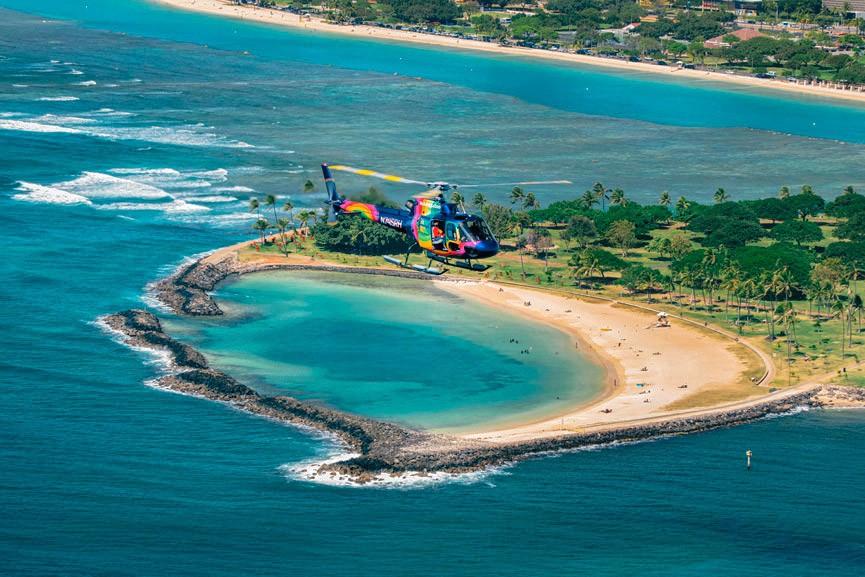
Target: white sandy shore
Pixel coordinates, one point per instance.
(250, 13)
(622, 339)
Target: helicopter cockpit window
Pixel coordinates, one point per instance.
(474, 230)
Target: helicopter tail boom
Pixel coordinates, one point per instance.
(332, 194)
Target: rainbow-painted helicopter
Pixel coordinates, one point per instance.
(448, 234)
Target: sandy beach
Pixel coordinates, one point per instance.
(648, 367)
(276, 17)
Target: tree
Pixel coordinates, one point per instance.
(797, 231)
(617, 198)
(304, 217)
(721, 196)
(530, 202)
(683, 208)
(517, 195)
(660, 245)
(588, 199)
(639, 278)
(603, 260)
(665, 200)
(582, 230)
(773, 209)
(479, 200)
(281, 225)
(458, 199)
(498, 218)
(270, 200)
(784, 193)
(853, 229)
(680, 246)
(600, 193)
(806, 204)
(308, 186)
(846, 205)
(261, 225)
(734, 233)
(255, 206)
(289, 208)
(621, 235)
(542, 241)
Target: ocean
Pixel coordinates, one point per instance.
(133, 136)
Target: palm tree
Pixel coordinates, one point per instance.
(270, 200)
(255, 206)
(517, 194)
(308, 186)
(721, 196)
(588, 199)
(786, 282)
(807, 189)
(784, 193)
(479, 200)
(665, 199)
(289, 208)
(849, 190)
(458, 199)
(709, 262)
(600, 193)
(261, 225)
(530, 202)
(303, 216)
(281, 225)
(682, 205)
(617, 197)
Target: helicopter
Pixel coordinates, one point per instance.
(447, 233)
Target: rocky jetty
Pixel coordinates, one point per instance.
(386, 448)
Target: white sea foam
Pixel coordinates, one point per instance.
(233, 189)
(26, 126)
(99, 185)
(57, 99)
(86, 83)
(53, 119)
(110, 85)
(74, 72)
(174, 207)
(309, 471)
(214, 199)
(20, 86)
(38, 193)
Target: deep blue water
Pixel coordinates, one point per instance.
(103, 475)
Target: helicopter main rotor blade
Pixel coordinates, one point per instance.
(514, 183)
(380, 175)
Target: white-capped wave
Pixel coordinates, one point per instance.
(212, 199)
(20, 86)
(38, 193)
(26, 126)
(86, 83)
(74, 72)
(111, 111)
(57, 99)
(176, 206)
(99, 185)
(169, 178)
(110, 85)
(61, 120)
(233, 189)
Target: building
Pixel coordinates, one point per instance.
(742, 34)
(857, 7)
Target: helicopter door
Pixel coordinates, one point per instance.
(453, 237)
(438, 235)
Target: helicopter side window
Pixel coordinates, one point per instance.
(474, 230)
(452, 232)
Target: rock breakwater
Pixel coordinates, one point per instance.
(389, 449)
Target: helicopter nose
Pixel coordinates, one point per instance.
(486, 248)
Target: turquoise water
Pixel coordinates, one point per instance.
(395, 349)
(102, 475)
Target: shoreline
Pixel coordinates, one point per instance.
(386, 449)
(291, 20)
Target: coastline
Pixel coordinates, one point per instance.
(287, 19)
(385, 449)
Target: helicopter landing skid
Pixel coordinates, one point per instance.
(416, 267)
(466, 264)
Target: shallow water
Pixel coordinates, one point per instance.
(102, 475)
(390, 348)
